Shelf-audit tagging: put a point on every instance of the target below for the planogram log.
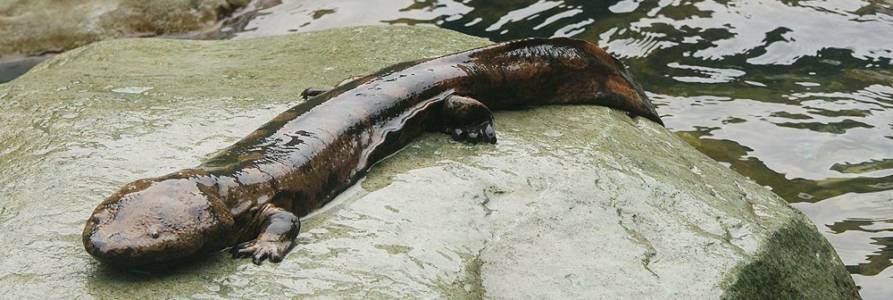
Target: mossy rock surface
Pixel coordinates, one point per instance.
(573, 202)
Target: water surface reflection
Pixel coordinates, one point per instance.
(797, 95)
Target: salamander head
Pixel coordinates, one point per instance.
(156, 222)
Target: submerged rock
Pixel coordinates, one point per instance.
(32, 27)
(573, 202)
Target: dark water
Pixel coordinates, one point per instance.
(797, 95)
(11, 68)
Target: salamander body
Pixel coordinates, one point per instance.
(250, 196)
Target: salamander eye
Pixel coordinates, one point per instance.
(154, 234)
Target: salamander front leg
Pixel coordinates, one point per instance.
(278, 233)
(313, 92)
(468, 120)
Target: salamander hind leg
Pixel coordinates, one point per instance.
(468, 120)
(278, 233)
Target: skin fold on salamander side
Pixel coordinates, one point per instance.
(250, 196)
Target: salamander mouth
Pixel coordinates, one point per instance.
(118, 251)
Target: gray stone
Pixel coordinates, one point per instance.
(573, 202)
(31, 27)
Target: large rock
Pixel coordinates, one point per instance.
(574, 202)
(31, 27)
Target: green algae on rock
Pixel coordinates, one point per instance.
(597, 206)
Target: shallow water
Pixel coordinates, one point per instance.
(797, 95)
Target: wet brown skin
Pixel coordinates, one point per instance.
(251, 195)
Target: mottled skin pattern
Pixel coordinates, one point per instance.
(251, 195)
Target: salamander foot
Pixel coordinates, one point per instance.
(275, 240)
(468, 120)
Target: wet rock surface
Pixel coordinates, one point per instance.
(573, 202)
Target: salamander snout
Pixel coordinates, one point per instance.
(156, 222)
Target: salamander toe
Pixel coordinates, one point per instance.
(480, 133)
